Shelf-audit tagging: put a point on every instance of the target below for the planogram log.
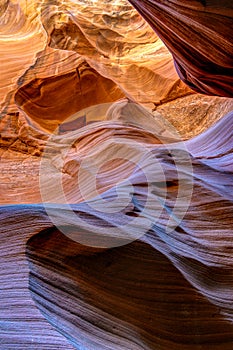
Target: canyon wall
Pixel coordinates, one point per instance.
(116, 152)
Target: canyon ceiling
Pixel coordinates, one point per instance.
(116, 188)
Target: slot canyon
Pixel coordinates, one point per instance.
(116, 175)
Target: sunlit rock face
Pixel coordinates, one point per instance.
(118, 43)
(116, 205)
(84, 87)
(49, 39)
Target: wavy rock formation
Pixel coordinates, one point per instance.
(116, 205)
(198, 34)
(116, 43)
(96, 297)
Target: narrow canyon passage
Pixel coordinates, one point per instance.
(116, 187)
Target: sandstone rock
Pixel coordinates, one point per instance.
(115, 216)
(198, 34)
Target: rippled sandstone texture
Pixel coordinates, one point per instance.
(199, 36)
(58, 39)
(112, 176)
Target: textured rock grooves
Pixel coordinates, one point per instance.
(120, 308)
(201, 49)
(116, 231)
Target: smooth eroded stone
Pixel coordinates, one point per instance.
(199, 36)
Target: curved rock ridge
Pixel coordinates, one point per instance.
(57, 39)
(118, 43)
(116, 204)
(21, 38)
(199, 36)
(171, 285)
(46, 39)
(22, 145)
(138, 308)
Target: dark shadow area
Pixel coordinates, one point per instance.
(73, 92)
(130, 297)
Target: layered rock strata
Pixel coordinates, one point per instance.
(116, 198)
